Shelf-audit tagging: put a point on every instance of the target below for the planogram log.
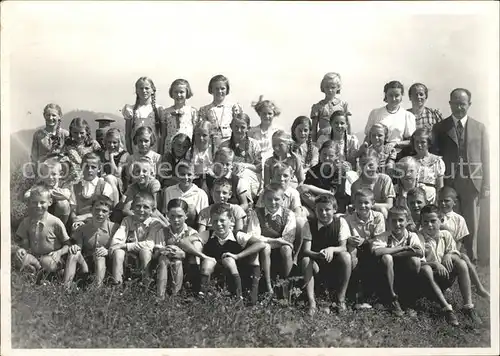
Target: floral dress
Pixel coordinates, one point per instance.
(73, 158)
(144, 116)
(220, 116)
(176, 121)
(322, 111)
(430, 168)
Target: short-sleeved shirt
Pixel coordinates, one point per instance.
(166, 236)
(455, 224)
(388, 240)
(344, 231)
(430, 168)
(144, 116)
(195, 197)
(220, 116)
(264, 138)
(369, 229)
(204, 218)
(62, 189)
(43, 236)
(437, 247)
(43, 141)
(152, 187)
(178, 121)
(241, 238)
(401, 124)
(291, 199)
(383, 188)
(254, 228)
(133, 232)
(428, 118)
(384, 154)
(90, 237)
(324, 109)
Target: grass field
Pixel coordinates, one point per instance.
(45, 316)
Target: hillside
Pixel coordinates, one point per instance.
(20, 141)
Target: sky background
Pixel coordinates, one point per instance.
(89, 55)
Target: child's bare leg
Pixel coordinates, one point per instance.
(286, 255)
(297, 243)
(388, 268)
(343, 259)
(100, 269)
(31, 263)
(118, 258)
(113, 182)
(307, 271)
(474, 278)
(230, 264)
(48, 264)
(70, 269)
(265, 262)
(428, 276)
(145, 257)
(255, 277)
(177, 274)
(62, 210)
(162, 276)
(464, 284)
(207, 268)
(193, 272)
(84, 268)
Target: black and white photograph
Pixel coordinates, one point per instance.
(240, 177)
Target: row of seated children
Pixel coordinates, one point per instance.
(326, 254)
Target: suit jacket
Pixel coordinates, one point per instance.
(445, 144)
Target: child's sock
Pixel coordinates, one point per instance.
(204, 279)
(237, 285)
(255, 284)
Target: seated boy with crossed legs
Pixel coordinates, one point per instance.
(43, 237)
(136, 236)
(456, 225)
(275, 225)
(397, 255)
(325, 253)
(443, 258)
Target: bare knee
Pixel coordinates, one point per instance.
(118, 256)
(48, 264)
(387, 260)
(286, 251)
(414, 264)
(266, 251)
(343, 258)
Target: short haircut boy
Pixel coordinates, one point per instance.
(327, 199)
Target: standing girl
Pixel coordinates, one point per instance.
(282, 153)
(345, 145)
(263, 132)
(179, 118)
(321, 112)
(77, 145)
(302, 142)
(220, 111)
(51, 138)
(181, 143)
(400, 122)
(144, 139)
(113, 160)
(143, 113)
(247, 155)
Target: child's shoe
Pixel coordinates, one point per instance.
(472, 315)
(451, 317)
(396, 307)
(341, 308)
(361, 306)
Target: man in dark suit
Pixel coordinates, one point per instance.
(463, 144)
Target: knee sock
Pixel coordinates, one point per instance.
(255, 284)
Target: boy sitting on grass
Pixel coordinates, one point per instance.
(143, 180)
(275, 225)
(50, 177)
(169, 247)
(325, 253)
(231, 250)
(43, 237)
(456, 225)
(135, 237)
(397, 255)
(444, 259)
(92, 241)
(85, 191)
(364, 224)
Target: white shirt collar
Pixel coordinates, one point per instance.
(278, 212)
(462, 120)
(91, 182)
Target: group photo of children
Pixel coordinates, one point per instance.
(196, 201)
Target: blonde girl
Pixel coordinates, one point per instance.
(302, 142)
(220, 111)
(379, 147)
(77, 145)
(180, 117)
(262, 133)
(51, 138)
(144, 112)
(282, 153)
(114, 159)
(321, 112)
(247, 155)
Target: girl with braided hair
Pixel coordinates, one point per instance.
(144, 112)
(345, 144)
(302, 144)
(50, 139)
(247, 153)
